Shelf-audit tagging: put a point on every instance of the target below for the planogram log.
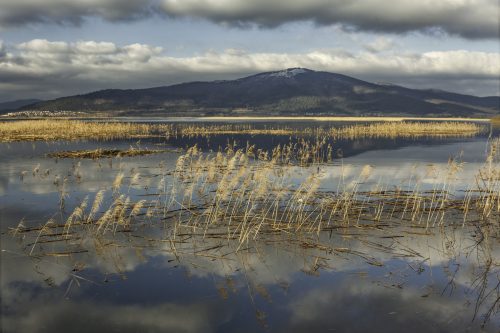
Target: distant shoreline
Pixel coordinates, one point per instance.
(262, 118)
(327, 118)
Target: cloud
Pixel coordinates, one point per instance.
(3, 50)
(466, 18)
(47, 69)
(21, 12)
(381, 309)
(380, 44)
(470, 19)
(49, 314)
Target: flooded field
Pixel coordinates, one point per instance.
(238, 226)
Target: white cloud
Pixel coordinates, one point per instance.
(92, 47)
(44, 46)
(52, 68)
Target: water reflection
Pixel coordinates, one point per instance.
(385, 278)
(133, 283)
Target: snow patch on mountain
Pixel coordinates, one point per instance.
(288, 73)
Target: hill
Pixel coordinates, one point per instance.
(13, 105)
(294, 91)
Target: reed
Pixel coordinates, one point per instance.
(219, 205)
(49, 130)
(372, 130)
(407, 130)
(249, 193)
(250, 196)
(496, 121)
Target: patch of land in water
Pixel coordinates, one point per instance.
(98, 153)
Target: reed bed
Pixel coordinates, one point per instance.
(49, 130)
(248, 196)
(373, 130)
(407, 130)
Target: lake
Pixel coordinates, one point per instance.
(324, 234)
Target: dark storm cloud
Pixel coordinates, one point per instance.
(469, 19)
(21, 12)
(3, 51)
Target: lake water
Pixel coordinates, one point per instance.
(394, 277)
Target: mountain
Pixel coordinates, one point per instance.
(13, 105)
(294, 91)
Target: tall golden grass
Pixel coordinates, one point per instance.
(248, 197)
(371, 130)
(407, 129)
(49, 130)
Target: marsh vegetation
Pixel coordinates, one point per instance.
(495, 121)
(236, 214)
(49, 130)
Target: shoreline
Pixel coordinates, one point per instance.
(369, 118)
(262, 118)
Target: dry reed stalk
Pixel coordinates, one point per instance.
(250, 198)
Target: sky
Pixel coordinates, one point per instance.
(54, 48)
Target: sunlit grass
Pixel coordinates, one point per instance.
(50, 130)
(407, 129)
(249, 195)
(387, 129)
